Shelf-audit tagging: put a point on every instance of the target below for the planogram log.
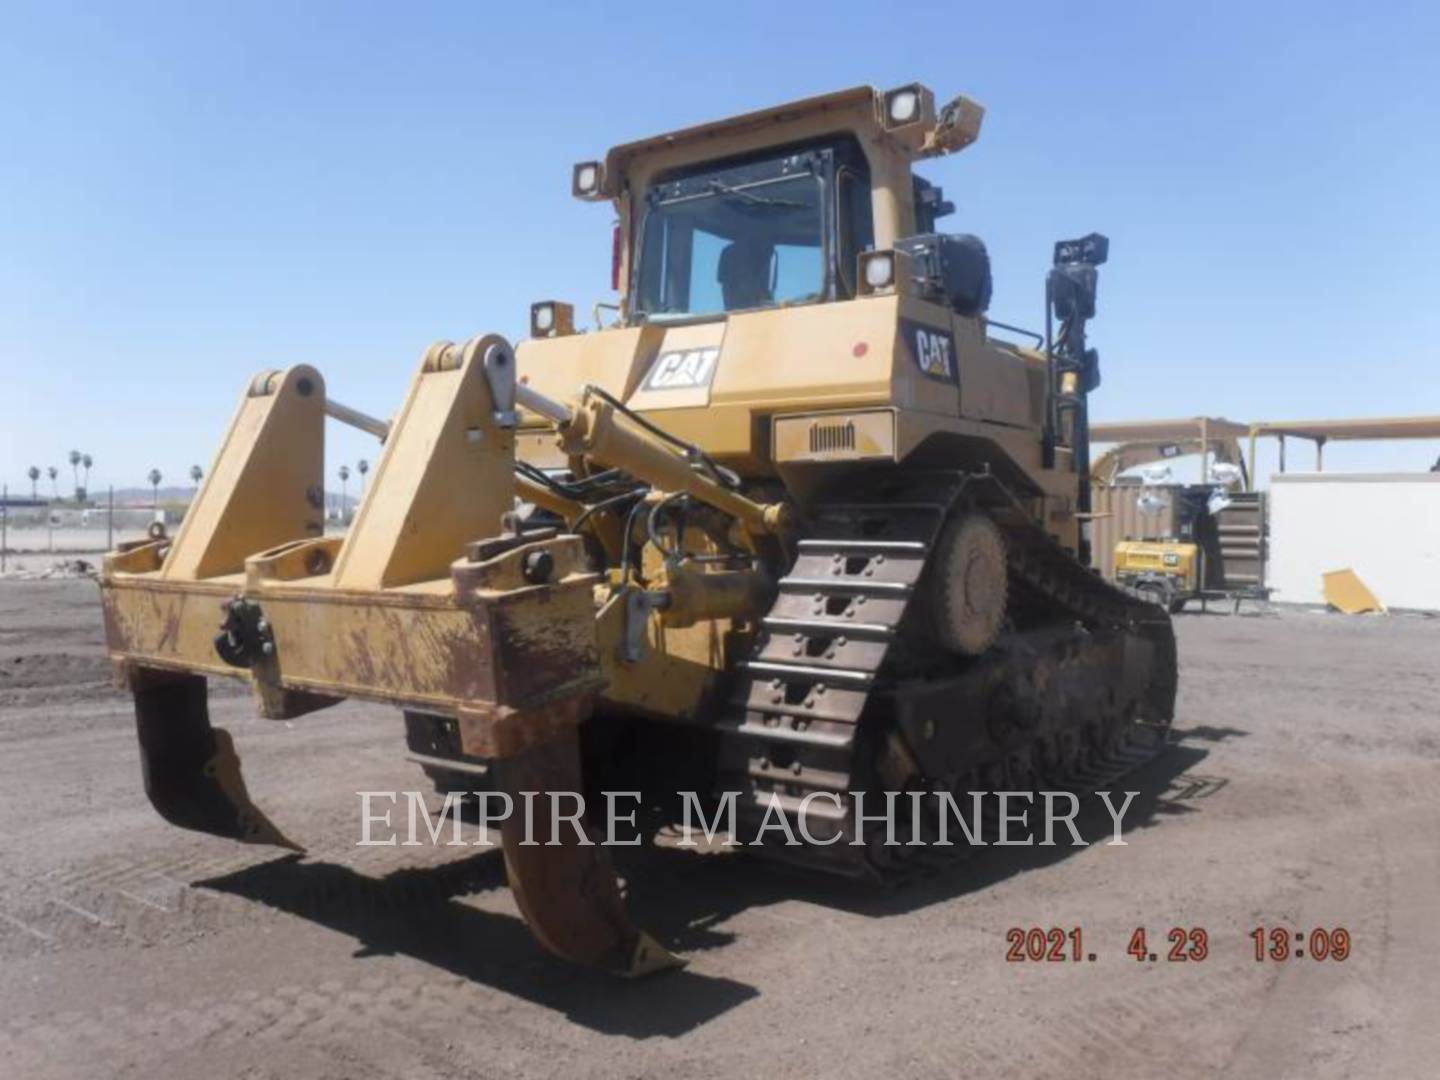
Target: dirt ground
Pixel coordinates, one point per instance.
(30, 552)
(1303, 791)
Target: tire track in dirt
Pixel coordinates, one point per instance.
(1308, 810)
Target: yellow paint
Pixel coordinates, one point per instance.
(1167, 558)
(445, 477)
(394, 611)
(264, 485)
(1344, 591)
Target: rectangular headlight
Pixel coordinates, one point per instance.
(906, 105)
(587, 181)
(882, 271)
(551, 318)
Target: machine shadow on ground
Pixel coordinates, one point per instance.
(682, 898)
(417, 913)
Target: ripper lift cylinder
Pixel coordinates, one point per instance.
(592, 429)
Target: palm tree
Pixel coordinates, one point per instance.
(364, 467)
(75, 467)
(34, 475)
(155, 479)
(85, 462)
(54, 473)
(344, 478)
(195, 474)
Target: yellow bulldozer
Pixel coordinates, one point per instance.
(801, 523)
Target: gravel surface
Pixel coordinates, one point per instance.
(33, 551)
(1303, 792)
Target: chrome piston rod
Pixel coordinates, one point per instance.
(593, 429)
(538, 403)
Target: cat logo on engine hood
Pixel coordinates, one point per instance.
(683, 369)
(933, 350)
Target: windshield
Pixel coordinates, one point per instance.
(710, 246)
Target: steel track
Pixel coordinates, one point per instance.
(804, 715)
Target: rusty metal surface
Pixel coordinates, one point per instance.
(421, 650)
(190, 769)
(393, 611)
(502, 732)
(568, 893)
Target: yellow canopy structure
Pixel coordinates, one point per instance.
(1322, 431)
(1140, 441)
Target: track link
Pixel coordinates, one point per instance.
(805, 717)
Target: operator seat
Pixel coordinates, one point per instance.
(744, 274)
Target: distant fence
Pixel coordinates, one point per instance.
(94, 517)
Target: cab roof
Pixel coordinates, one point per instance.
(861, 109)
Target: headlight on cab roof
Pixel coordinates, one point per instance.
(906, 105)
(551, 318)
(588, 180)
(903, 106)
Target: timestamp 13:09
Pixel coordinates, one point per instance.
(1181, 945)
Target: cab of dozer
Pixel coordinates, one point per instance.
(799, 519)
(786, 301)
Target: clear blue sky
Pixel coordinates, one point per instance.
(191, 192)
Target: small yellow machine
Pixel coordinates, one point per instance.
(1167, 572)
(797, 525)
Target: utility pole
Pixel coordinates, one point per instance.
(110, 521)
